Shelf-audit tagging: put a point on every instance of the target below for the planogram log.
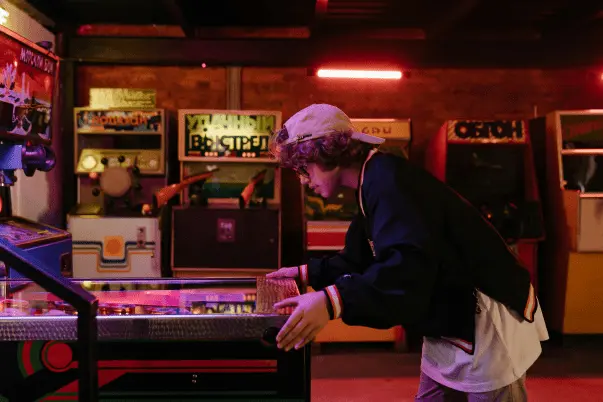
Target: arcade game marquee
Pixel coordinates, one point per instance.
(230, 224)
(572, 179)
(28, 78)
(490, 163)
(328, 222)
(120, 164)
(161, 340)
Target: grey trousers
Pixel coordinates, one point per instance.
(431, 391)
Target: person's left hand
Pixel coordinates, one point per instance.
(309, 317)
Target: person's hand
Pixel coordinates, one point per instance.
(285, 272)
(308, 319)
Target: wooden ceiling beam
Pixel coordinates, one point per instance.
(176, 11)
(448, 20)
(341, 51)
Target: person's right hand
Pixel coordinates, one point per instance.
(285, 272)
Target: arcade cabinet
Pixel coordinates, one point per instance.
(572, 179)
(28, 77)
(328, 222)
(230, 224)
(120, 164)
(490, 163)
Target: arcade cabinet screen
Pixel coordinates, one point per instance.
(342, 206)
(27, 79)
(230, 179)
(485, 174)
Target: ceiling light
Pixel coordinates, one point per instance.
(370, 74)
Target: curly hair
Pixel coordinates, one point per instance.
(329, 152)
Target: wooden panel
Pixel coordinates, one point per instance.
(571, 206)
(584, 298)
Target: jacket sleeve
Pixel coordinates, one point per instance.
(322, 272)
(396, 288)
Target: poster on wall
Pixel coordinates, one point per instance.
(231, 134)
(27, 81)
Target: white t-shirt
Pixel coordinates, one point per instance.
(505, 348)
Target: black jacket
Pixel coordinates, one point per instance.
(432, 251)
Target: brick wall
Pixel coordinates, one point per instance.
(177, 87)
(429, 97)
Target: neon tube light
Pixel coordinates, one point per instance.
(375, 74)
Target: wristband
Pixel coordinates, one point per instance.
(334, 301)
(303, 274)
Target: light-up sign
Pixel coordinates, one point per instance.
(3, 16)
(227, 134)
(494, 131)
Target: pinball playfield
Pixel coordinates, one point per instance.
(158, 340)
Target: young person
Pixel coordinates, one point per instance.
(416, 255)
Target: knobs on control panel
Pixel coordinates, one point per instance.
(105, 161)
(269, 336)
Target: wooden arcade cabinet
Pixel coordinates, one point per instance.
(327, 222)
(230, 224)
(490, 163)
(120, 163)
(572, 270)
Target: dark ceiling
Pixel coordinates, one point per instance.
(548, 30)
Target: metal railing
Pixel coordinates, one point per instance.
(84, 302)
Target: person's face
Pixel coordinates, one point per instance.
(322, 182)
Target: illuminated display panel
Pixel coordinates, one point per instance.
(27, 81)
(226, 133)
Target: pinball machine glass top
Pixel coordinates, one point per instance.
(154, 297)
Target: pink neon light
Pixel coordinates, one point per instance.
(376, 74)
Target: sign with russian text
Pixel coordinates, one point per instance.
(118, 121)
(107, 98)
(385, 128)
(487, 131)
(227, 133)
(27, 80)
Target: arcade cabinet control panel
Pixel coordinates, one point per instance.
(94, 160)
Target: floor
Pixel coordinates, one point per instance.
(351, 374)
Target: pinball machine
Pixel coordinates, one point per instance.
(327, 221)
(571, 177)
(230, 223)
(161, 340)
(490, 164)
(27, 91)
(120, 163)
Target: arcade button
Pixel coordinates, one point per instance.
(89, 162)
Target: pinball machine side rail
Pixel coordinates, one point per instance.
(84, 302)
